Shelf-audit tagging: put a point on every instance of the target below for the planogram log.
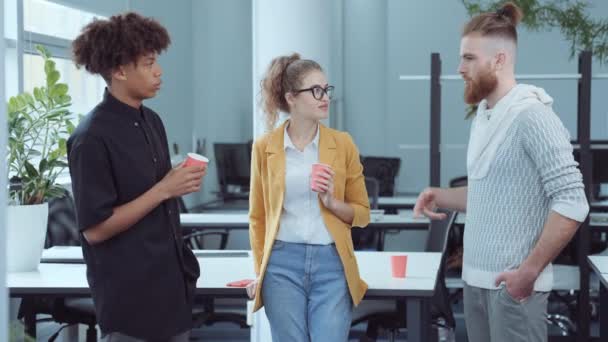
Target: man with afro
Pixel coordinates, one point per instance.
(142, 276)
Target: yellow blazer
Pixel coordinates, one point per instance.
(268, 189)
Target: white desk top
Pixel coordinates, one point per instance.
(70, 279)
(408, 202)
(599, 264)
(405, 218)
(215, 220)
(241, 221)
(603, 203)
(398, 201)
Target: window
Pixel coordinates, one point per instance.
(54, 20)
(55, 26)
(11, 74)
(85, 89)
(31, 22)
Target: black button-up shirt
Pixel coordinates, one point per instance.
(142, 280)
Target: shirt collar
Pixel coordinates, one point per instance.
(114, 105)
(287, 143)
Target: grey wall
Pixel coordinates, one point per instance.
(174, 102)
(385, 39)
(365, 76)
(222, 74)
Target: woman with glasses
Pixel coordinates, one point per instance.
(300, 220)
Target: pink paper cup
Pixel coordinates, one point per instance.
(317, 169)
(399, 265)
(195, 159)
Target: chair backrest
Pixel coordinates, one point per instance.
(182, 205)
(62, 228)
(206, 240)
(459, 181)
(437, 238)
(385, 170)
(373, 191)
(437, 241)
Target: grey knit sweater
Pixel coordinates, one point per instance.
(534, 172)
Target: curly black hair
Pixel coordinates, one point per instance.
(103, 45)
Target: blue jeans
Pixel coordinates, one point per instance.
(305, 293)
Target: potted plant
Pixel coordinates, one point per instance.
(38, 125)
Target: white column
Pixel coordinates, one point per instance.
(281, 27)
(3, 177)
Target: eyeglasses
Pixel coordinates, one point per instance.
(318, 91)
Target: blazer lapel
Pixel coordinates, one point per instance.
(275, 163)
(327, 146)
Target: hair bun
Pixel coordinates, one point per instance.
(512, 12)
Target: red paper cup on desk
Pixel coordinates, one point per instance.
(317, 168)
(195, 159)
(399, 265)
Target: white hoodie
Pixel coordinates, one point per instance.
(488, 133)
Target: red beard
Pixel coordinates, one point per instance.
(478, 89)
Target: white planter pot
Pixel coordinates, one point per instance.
(25, 235)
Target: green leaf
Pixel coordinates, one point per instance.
(49, 66)
(12, 105)
(70, 126)
(52, 78)
(64, 100)
(29, 99)
(38, 94)
(21, 102)
(61, 164)
(55, 192)
(58, 90)
(30, 169)
(42, 166)
(43, 51)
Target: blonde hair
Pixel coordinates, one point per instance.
(284, 75)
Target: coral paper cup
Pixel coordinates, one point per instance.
(317, 168)
(399, 265)
(195, 159)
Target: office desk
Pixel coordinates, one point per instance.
(599, 264)
(598, 221)
(397, 202)
(409, 201)
(599, 205)
(65, 280)
(404, 220)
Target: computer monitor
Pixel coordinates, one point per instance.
(384, 169)
(599, 173)
(233, 162)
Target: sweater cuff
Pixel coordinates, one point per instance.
(576, 211)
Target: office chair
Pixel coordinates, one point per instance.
(459, 181)
(385, 170)
(62, 230)
(455, 250)
(372, 185)
(369, 239)
(194, 237)
(386, 315)
(204, 311)
(562, 308)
